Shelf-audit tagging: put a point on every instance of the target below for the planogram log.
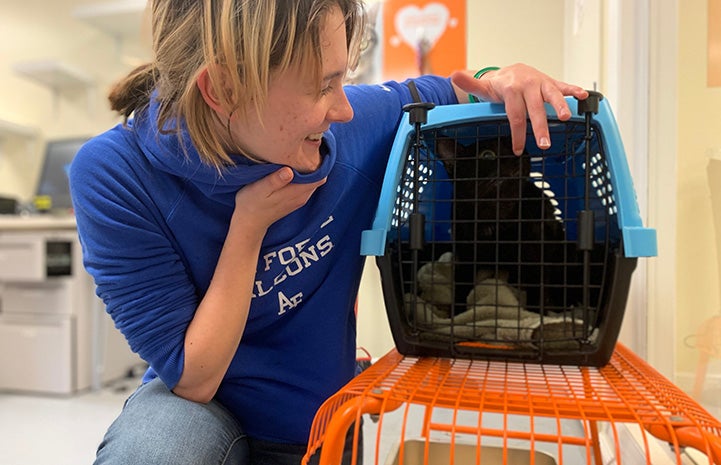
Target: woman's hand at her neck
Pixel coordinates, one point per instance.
(215, 332)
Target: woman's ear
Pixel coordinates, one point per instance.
(212, 92)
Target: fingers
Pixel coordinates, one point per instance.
(273, 197)
(574, 91)
(288, 196)
(280, 178)
(516, 113)
(552, 92)
(466, 85)
(527, 103)
(535, 102)
(464, 81)
(555, 95)
(297, 195)
(526, 92)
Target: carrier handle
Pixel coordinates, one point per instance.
(417, 116)
(586, 220)
(591, 103)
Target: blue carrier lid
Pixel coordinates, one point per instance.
(638, 241)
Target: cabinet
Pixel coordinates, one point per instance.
(55, 336)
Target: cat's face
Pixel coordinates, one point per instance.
(501, 220)
(485, 169)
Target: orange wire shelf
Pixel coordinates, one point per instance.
(625, 391)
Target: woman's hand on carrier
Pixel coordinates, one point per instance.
(524, 90)
(267, 200)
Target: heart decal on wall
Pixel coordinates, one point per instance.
(414, 24)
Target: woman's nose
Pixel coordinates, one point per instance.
(340, 111)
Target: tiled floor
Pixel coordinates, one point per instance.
(37, 430)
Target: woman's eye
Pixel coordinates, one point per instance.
(326, 90)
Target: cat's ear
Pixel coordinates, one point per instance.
(446, 148)
(446, 151)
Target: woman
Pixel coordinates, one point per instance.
(222, 223)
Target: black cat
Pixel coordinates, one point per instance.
(503, 224)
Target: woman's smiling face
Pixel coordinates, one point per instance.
(288, 130)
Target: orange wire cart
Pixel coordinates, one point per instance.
(516, 413)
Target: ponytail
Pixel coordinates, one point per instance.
(133, 92)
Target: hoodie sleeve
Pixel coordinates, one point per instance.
(378, 110)
(128, 250)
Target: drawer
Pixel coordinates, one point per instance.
(52, 297)
(36, 354)
(33, 256)
(22, 258)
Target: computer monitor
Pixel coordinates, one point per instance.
(53, 180)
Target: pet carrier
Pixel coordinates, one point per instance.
(484, 254)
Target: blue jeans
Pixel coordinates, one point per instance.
(156, 427)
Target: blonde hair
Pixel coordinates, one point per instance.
(254, 38)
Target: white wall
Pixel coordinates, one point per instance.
(626, 86)
(698, 118)
(529, 31)
(38, 31)
(583, 43)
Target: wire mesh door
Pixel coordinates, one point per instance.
(519, 257)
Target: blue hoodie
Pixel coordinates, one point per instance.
(152, 221)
